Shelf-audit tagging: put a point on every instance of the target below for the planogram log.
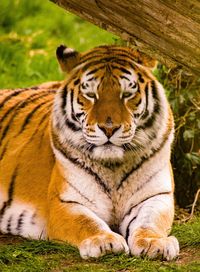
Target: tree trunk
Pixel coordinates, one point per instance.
(167, 30)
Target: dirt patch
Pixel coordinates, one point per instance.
(6, 239)
(188, 255)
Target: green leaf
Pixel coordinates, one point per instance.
(192, 116)
(194, 157)
(198, 124)
(188, 134)
(181, 99)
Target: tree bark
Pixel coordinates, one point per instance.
(167, 30)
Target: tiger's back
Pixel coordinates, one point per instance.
(26, 158)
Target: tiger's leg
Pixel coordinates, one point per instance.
(146, 228)
(74, 223)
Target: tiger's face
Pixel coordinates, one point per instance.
(106, 101)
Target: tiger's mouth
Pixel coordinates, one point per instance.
(108, 152)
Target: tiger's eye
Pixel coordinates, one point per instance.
(91, 95)
(126, 94)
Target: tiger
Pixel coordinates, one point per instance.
(86, 161)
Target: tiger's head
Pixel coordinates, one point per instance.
(103, 99)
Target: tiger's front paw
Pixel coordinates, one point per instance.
(102, 244)
(166, 248)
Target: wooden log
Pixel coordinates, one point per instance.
(167, 30)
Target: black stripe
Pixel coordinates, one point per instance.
(156, 110)
(17, 107)
(79, 102)
(123, 77)
(154, 91)
(79, 164)
(76, 82)
(71, 125)
(92, 55)
(44, 117)
(91, 59)
(73, 116)
(109, 50)
(150, 178)
(10, 110)
(20, 221)
(29, 115)
(8, 228)
(114, 52)
(146, 112)
(13, 94)
(64, 100)
(79, 192)
(23, 103)
(106, 59)
(123, 62)
(94, 63)
(70, 202)
(4, 149)
(78, 115)
(140, 78)
(43, 135)
(124, 71)
(92, 78)
(7, 203)
(68, 123)
(135, 217)
(128, 228)
(138, 103)
(35, 88)
(143, 159)
(134, 206)
(33, 218)
(115, 61)
(94, 70)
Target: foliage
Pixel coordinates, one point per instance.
(183, 91)
(30, 32)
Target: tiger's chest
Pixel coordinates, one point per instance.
(111, 193)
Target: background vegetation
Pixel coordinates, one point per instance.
(183, 90)
(30, 32)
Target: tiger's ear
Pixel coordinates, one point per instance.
(144, 59)
(68, 58)
(148, 61)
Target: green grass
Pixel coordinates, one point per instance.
(44, 256)
(30, 32)
(188, 234)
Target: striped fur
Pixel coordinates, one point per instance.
(87, 160)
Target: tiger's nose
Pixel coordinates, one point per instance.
(108, 130)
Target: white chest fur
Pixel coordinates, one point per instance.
(111, 193)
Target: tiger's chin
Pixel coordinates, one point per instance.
(108, 153)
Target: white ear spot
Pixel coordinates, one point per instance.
(68, 50)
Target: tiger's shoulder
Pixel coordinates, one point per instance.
(24, 112)
(13, 101)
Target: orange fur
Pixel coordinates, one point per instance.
(61, 220)
(32, 175)
(33, 166)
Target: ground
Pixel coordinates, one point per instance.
(18, 254)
